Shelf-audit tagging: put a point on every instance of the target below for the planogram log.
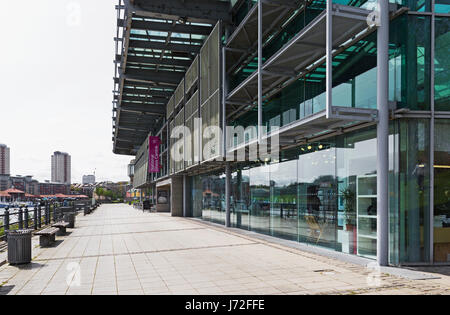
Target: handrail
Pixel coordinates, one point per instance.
(34, 217)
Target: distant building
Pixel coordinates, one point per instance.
(88, 179)
(61, 168)
(4, 160)
(131, 171)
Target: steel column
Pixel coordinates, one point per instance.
(432, 133)
(329, 58)
(228, 195)
(260, 56)
(383, 135)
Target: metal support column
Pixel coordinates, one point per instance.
(185, 193)
(383, 135)
(432, 132)
(329, 58)
(228, 195)
(260, 57)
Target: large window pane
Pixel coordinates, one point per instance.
(414, 192)
(283, 184)
(317, 194)
(357, 188)
(240, 199)
(260, 199)
(442, 64)
(414, 52)
(442, 192)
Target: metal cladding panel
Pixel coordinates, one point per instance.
(179, 93)
(192, 74)
(141, 166)
(192, 105)
(210, 64)
(170, 106)
(172, 141)
(179, 121)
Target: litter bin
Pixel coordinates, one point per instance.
(19, 246)
(70, 218)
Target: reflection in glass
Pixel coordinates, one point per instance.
(317, 194)
(240, 199)
(442, 192)
(283, 184)
(260, 199)
(442, 64)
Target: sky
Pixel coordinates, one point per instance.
(56, 83)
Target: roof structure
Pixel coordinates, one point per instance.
(157, 40)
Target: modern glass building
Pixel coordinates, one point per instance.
(358, 95)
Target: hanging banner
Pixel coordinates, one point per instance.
(153, 155)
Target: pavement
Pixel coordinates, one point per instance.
(119, 250)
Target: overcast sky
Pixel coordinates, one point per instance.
(56, 86)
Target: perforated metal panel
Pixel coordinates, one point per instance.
(179, 121)
(210, 63)
(179, 93)
(171, 141)
(170, 106)
(192, 75)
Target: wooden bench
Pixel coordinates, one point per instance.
(62, 226)
(47, 236)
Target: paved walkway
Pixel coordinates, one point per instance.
(119, 250)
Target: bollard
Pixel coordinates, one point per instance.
(6, 221)
(20, 218)
(39, 211)
(35, 217)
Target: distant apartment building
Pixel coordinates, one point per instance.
(49, 188)
(4, 160)
(88, 179)
(61, 168)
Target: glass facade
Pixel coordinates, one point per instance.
(323, 193)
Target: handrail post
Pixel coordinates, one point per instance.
(46, 213)
(54, 212)
(39, 211)
(35, 217)
(26, 217)
(20, 218)
(6, 222)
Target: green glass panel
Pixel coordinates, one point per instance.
(410, 65)
(442, 6)
(442, 64)
(441, 221)
(414, 193)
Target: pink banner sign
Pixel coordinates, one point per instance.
(153, 157)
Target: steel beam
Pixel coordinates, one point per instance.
(169, 27)
(159, 61)
(228, 195)
(165, 46)
(192, 10)
(153, 76)
(148, 109)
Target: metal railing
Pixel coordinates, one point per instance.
(35, 217)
